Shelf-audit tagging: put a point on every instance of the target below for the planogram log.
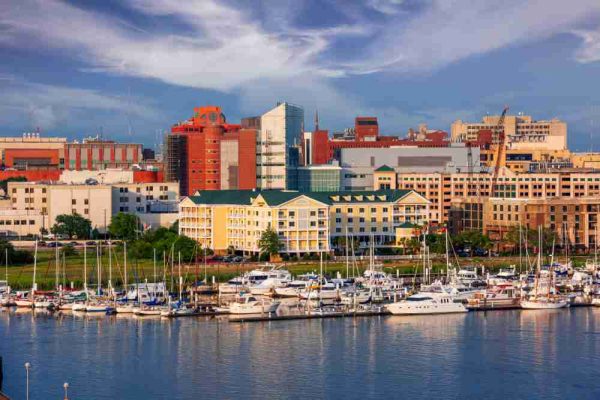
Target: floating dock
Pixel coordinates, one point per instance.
(315, 315)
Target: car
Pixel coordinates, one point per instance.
(90, 243)
(73, 243)
(55, 244)
(42, 243)
(237, 259)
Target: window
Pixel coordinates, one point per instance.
(86, 201)
(74, 201)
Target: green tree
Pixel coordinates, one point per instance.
(269, 242)
(175, 227)
(72, 225)
(472, 238)
(530, 237)
(4, 182)
(124, 226)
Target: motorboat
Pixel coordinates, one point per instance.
(146, 292)
(507, 273)
(79, 306)
(354, 297)
(293, 289)
(24, 299)
(251, 305)
(496, 297)
(426, 303)
(267, 286)
(327, 291)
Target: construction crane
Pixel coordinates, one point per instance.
(499, 138)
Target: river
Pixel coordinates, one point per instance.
(495, 355)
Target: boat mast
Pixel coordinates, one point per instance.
(85, 270)
(125, 267)
(164, 274)
(347, 259)
(56, 267)
(110, 287)
(447, 258)
(98, 268)
(321, 277)
(33, 284)
(6, 264)
(179, 271)
(154, 261)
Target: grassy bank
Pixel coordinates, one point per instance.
(71, 268)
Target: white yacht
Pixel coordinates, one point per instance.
(327, 291)
(425, 303)
(252, 305)
(268, 285)
(293, 289)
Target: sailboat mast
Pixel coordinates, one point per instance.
(98, 268)
(154, 261)
(85, 268)
(321, 277)
(110, 287)
(347, 258)
(125, 267)
(179, 272)
(56, 267)
(33, 284)
(6, 264)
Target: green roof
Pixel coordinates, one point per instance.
(276, 197)
(407, 225)
(385, 168)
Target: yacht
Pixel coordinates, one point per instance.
(507, 273)
(147, 292)
(252, 305)
(353, 297)
(293, 289)
(424, 304)
(497, 297)
(268, 285)
(326, 291)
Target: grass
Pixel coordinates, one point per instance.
(71, 269)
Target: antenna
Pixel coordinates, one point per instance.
(316, 120)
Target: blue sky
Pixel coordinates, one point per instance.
(77, 68)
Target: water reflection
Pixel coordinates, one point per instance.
(493, 355)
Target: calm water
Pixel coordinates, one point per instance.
(498, 355)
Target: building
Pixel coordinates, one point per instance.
(34, 152)
(96, 202)
(359, 165)
(207, 153)
(20, 222)
(522, 132)
(319, 178)
(318, 148)
(305, 222)
(95, 154)
(280, 132)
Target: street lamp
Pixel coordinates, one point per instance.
(27, 366)
(66, 386)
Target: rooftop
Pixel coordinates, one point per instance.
(277, 197)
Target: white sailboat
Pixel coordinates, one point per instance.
(550, 300)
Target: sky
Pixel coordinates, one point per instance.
(129, 69)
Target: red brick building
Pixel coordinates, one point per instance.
(207, 153)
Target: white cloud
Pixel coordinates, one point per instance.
(265, 56)
(590, 48)
(450, 30)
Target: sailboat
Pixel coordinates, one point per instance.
(26, 299)
(98, 305)
(550, 300)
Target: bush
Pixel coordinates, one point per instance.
(69, 250)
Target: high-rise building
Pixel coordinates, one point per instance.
(522, 132)
(207, 153)
(276, 151)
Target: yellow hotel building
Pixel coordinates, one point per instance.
(305, 222)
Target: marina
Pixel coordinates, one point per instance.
(419, 356)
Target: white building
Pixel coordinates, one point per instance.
(280, 130)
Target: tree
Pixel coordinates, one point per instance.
(72, 225)
(4, 182)
(124, 226)
(269, 242)
(472, 238)
(518, 237)
(175, 227)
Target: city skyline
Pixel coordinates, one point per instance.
(141, 65)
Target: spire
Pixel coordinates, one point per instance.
(316, 120)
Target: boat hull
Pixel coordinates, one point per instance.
(543, 305)
(404, 308)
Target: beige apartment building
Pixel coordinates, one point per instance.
(95, 202)
(522, 132)
(305, 222)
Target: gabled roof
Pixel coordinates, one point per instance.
(277, 197)
(385, 168)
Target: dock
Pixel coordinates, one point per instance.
(316, 315)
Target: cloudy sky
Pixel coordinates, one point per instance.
(131, 68)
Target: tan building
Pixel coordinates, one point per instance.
(305, 222)
(585, 160)
(523, 133)
(95, 202)
(20, 222)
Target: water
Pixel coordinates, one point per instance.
(495, 355)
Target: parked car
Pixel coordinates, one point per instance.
(42, 244)
(55, 244)
(90, 243)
